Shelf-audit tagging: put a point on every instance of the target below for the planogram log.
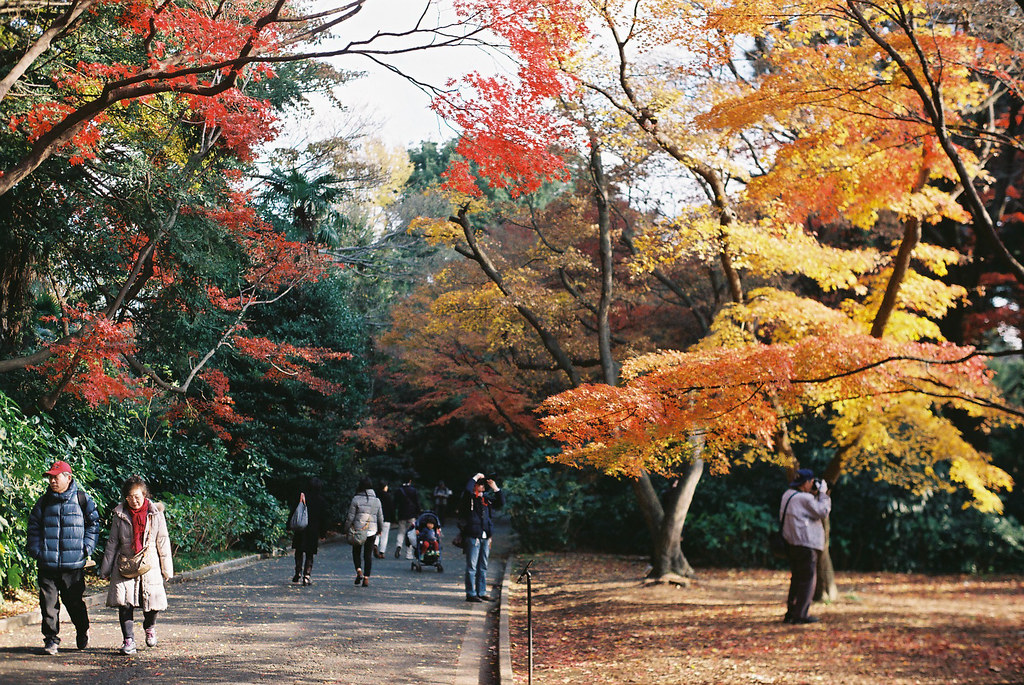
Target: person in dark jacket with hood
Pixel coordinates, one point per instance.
(306, 542)
(476, 530)
(63, 528)
(407, 501)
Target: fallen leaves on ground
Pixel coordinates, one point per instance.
(595, 622)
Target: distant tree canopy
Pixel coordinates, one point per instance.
(848, 253)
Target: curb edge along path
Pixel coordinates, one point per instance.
(474, 665)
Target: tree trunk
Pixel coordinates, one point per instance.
(609, 369)
(665, 520)
(16, 262)
(668, 559)
(826, 590)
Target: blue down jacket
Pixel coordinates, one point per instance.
(60, 535)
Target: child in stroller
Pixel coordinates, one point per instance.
(428, 542)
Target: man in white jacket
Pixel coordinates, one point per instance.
(803, 508)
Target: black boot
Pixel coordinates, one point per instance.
(307, 570)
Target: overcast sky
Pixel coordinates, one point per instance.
(402, 110)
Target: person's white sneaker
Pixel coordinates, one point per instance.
(128, 647)
(151, 637)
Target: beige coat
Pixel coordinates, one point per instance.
(146, 591)
(365, 513)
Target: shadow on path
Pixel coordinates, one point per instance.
(252, 625)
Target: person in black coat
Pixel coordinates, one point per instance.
(407, 501)
(476, 529)
(306, 542)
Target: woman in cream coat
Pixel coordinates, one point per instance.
(365, 514)
(138, 523)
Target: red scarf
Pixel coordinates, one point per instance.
(139, 525)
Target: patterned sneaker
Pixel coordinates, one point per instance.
(50, 646)
(128, 647)
(151, 637)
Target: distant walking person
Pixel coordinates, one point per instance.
(407, 501)
(441, 494)
(804, 506)
(306, 542)
(63, 527)
(387, 503)
(137, 525)
(365, 518)
(476, 529)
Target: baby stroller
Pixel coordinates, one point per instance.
(428, 542)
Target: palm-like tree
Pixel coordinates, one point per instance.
(305, 207)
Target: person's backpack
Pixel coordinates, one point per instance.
(82, 501)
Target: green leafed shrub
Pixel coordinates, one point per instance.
(213, 523)
(203, 523)
(554, 507)
(733, 535)
(28, 445)
(545, 509)
(194, 479)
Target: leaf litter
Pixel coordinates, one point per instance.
(594, 621)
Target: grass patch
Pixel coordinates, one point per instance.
(191, 561)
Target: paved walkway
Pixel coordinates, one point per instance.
(252, 625)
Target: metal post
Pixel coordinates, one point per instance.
(529, 628)
(529, 620)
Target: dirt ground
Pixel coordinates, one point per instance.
(595, 622)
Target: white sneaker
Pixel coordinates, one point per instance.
(128, 647)
(50, 646)
(151, 637)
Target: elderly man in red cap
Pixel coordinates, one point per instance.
(62, 531)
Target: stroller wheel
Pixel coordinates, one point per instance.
(440, 568)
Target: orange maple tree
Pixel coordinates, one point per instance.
(874, 126)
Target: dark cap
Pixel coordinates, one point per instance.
(801, 477)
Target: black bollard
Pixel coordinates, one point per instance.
(529, 620)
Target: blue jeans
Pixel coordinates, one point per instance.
(477, 551)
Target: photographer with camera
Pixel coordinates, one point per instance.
(803, 508)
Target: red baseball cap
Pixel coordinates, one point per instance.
(59, 467)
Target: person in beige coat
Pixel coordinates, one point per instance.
(365, 514)
(138, 523)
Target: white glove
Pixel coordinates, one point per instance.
(822, 487)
